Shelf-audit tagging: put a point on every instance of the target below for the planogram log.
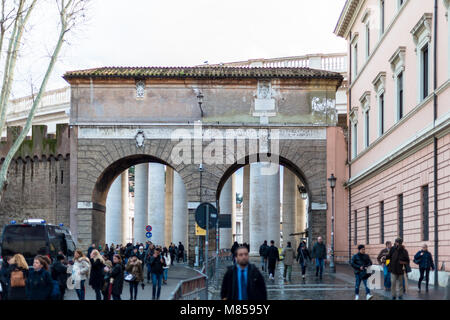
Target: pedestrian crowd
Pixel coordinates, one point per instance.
(244, 281)
(104, 269)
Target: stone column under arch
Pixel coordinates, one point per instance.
(156, 202)
(140, 202)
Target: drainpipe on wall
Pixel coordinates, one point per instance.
(435, 153)
(349, 151)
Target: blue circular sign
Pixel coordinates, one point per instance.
(148, 235)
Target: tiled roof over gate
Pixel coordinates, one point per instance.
(206, 72)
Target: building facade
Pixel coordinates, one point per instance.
(399, 125)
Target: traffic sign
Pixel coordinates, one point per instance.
(148, 228)
(200, 215)
(199, 231)
(148, 235)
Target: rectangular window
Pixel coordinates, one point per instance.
(425, 69)
(382, 16)
(425, 214)
(355, 60)
(367, 128)
(367, 225)
(367, 40)
(355, 223)
(400, 95)
(400, 215)
(355, 140)
(382, 222)
(381, 106)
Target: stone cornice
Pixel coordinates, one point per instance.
(379, 81)
(346, 16)
(398, 56)
(424, 22)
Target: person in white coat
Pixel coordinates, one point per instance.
(168, 261)
(80, 273)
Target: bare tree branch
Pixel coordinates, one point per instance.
(70, 13)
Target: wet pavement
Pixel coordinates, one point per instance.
(333, 286)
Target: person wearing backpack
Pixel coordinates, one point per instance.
(59, 274)
(17, 274)
(425, 261)
(39, 284)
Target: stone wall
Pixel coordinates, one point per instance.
(38, 177)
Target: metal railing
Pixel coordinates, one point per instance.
(196, 288)
(191, 289)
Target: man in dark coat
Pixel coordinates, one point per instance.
(398, 258)
(263, 254)
(272, 257)
(360, 262)
(180, 252)
(59, 273)
(89, 251)
(243, 281)
(319, 252)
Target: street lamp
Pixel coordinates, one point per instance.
(332, 180)
(200, 102)
(303, 192)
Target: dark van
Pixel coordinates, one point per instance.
(35, 237)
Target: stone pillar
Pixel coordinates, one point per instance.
(300, 214)
(169, 205)
(156, 199)
(233, 208)
(246, 205)
(289, 202)
(226, 207)
(180, 212)
(113, 223)
(125, 205)
(140, 202)
(272, 193)
(257, 208)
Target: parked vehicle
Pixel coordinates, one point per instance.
(35, 236)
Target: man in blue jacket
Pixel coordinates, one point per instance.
(425, 261)
(360, 262)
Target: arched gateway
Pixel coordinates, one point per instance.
(216, 118)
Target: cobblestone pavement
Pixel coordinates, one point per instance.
(176, 273)
(333, 286)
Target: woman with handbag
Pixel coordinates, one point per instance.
(80, 273)
(134, 276)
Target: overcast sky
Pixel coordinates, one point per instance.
(184, 33)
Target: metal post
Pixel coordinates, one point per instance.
(206, 250)
(217, 241)
(332, 266)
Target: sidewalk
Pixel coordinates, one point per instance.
(333, 286)
(345, 272)
(177, 272)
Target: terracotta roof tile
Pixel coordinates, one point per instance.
(202, 72)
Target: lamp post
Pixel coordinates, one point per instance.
(332, 180)
(200, 102)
